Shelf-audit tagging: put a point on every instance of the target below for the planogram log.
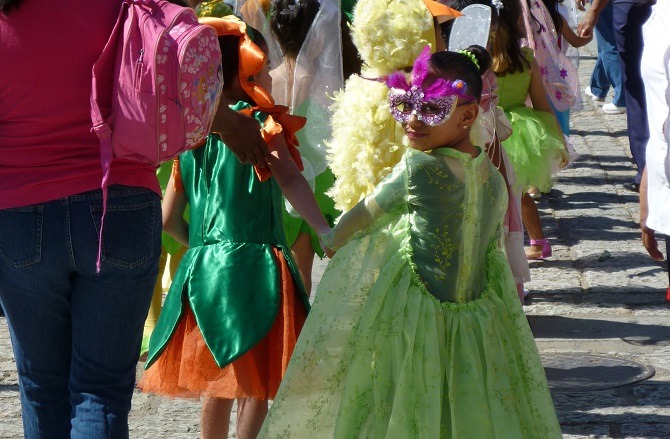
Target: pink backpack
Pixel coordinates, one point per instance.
(156, 86)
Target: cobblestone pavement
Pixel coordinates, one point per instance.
(599, 294)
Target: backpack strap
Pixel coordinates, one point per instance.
(102, 86)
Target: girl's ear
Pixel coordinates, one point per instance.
(469, 114)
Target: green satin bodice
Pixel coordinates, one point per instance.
(229, 276)
(445, 195)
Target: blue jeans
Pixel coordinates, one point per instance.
(629, 16)
(76, 334)
(607, 71)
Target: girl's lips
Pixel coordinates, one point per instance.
(414, 135)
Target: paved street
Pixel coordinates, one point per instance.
(598, 307)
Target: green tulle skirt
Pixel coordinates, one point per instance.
(535, 148)
(380, 357)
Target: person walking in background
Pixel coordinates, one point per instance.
(536, 147)
(607, 71)
(75, 333)
(236, 305)
(309, 74)
(655, 185)
(628, 18)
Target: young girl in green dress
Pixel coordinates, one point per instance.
(236, 304)
(536, 147)
(416, 330)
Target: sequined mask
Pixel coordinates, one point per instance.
(432, 105)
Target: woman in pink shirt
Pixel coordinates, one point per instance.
(75, 333)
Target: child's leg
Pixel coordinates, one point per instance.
(303, 253)
(250, 416)
(531, 219)
(156, 304)
(175, 259)
(215, 417)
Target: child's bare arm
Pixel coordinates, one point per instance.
(174, 205)
(294, 186)
(571, 37)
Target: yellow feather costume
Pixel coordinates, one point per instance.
(367, 142)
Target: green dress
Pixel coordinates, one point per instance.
(229, 276)
(416, 330)
(536, 146)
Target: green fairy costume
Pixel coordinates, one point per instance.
(417, 330)
(229, 277)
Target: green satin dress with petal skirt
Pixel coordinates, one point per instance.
(229, 275)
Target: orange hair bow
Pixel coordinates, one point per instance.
(441, 12)
(252, 59)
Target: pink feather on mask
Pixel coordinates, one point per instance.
(397, 80)
(421, 65)
(440, 87)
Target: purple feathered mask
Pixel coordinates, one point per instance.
(432, 105)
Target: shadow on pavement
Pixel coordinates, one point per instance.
(581, 328)
(607, 413)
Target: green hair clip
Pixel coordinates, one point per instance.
(472, 57)
(219, 9)
(213, 8)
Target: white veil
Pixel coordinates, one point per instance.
(307, 86)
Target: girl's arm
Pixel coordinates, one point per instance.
(571, 37)
(174, 205)
(387, 196)
(294, 186)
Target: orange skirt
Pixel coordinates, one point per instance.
(187, 369)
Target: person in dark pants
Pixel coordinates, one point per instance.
(629, 16)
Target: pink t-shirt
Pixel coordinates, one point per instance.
(47, 150)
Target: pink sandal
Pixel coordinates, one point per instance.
(546, 249)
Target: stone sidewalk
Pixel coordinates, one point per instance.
(599, 295)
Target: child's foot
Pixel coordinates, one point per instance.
(534, 193)
(539, 249)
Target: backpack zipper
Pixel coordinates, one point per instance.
(138, 69)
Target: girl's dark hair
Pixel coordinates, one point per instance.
(506, 47)
(290, 21)
(7, 5)
(552, 7)
(229, 45)
(457, 65)
(230, 55)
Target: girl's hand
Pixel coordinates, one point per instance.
(327, 250)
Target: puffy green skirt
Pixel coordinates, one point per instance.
(535, 148)
(380, 357)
